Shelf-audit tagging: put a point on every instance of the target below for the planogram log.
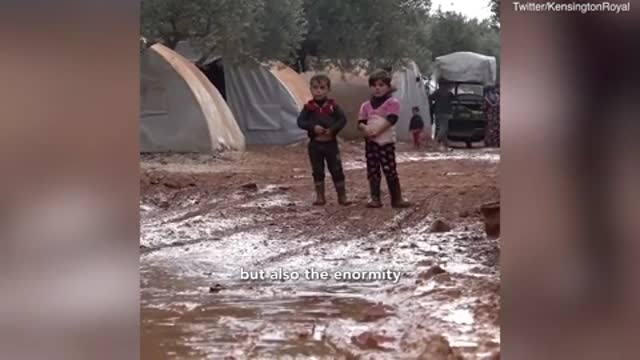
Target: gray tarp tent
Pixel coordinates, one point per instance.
(466, 67)
(265, 99)
(351, 89)
(181, 111)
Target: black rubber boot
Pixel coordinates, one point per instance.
(396, 195)
(320, 199)
(375, 195)
(341, 190)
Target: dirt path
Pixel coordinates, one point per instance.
(205, 218)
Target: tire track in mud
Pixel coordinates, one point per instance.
(226, 202)
(262, 218)
(374, 236)
(308, 221)
(216, 237)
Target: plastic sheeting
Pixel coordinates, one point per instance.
(466, 67)
(181, 111)
(266, 101)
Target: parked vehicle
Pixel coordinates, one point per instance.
(469, 121)
(469, 73)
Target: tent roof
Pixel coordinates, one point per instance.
(181, 110)
(294, 82)
(185, 49)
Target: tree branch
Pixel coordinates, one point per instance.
(206, 31)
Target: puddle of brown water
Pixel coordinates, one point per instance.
(193, 251)
(274, 323)
(306, 318)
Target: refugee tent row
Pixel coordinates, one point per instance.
(221, 106)
(182, 111)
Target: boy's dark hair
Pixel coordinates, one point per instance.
(320, 78)
(380, 75)
(415, 108)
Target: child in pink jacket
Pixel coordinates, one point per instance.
(377, 120)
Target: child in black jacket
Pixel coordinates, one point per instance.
(416, 127)
(323, 119)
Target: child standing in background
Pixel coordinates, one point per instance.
(377, 119)
(416, 127)
(323, 119)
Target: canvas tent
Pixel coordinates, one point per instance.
(351, 89)
(181, 111)
(466, 67)
(265, 98)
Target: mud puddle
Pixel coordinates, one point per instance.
(196, 305)
(200, 227)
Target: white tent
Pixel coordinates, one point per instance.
(181, 111)
(466, 66)
(351, 89)
(411, 92)
(265, 98)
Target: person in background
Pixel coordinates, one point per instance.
(323, 119)
(416, 127)
(442, 104)
(376, 120)
(492, 109)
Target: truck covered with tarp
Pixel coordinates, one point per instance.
(466, 67)
(468, 73)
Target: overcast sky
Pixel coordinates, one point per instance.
(471, 8)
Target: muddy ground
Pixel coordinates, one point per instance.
(205, 218)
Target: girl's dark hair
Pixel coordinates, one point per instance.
(380, 75)
(320, 78)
